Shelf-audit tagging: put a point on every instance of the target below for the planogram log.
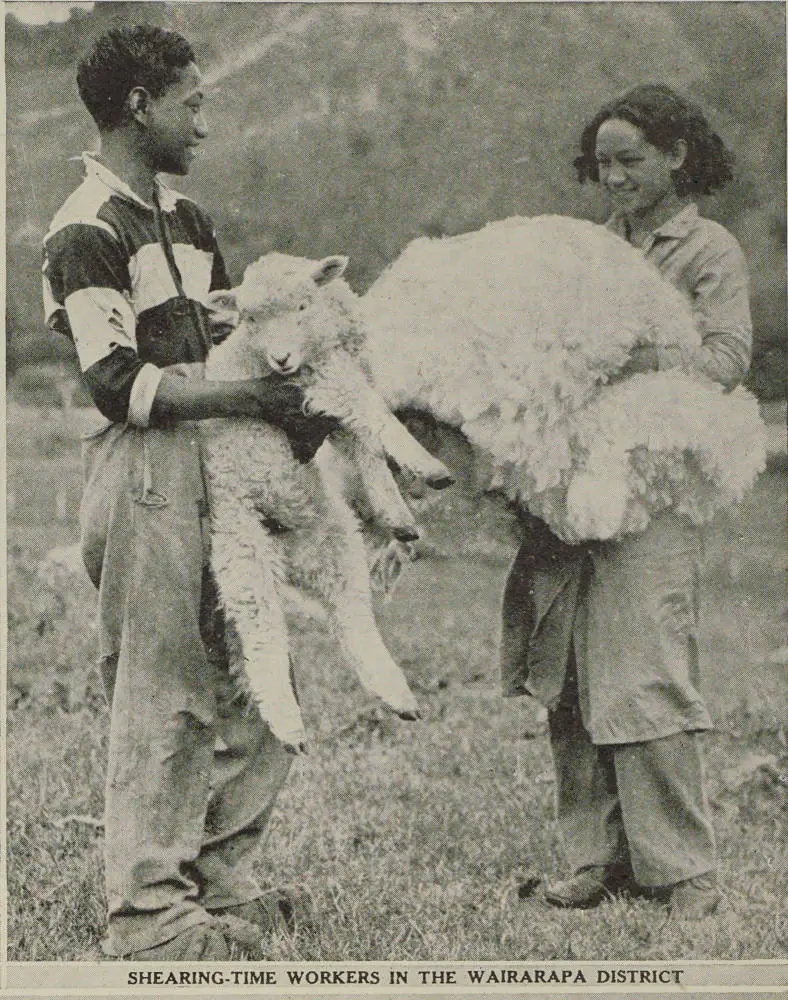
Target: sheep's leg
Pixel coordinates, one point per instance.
(406, 453)
(399, 444)
(244, 561)
(340, 389)
(372, 488)
(331, 562)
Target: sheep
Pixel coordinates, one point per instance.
(511, 335)
(274, 519)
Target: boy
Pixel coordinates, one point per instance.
(127, 264)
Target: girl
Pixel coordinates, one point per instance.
(614, 624)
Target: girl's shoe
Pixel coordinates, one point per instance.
(695, 898)
(589, 886)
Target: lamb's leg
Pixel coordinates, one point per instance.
(406, 453)
(244, 562)
(331, 562)
(340, 389)
(368, 485)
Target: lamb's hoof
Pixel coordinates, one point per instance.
(405, 534)
(439, 482)
(410, 715)
(296, 749)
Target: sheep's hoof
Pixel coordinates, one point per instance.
(439, 482)
(296, 750)
(410, 715)
(405, 534)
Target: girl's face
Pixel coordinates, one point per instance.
(636, 175)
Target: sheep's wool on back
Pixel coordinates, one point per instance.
(510, 334)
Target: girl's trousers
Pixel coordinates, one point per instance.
(640, 803)
(605, 635)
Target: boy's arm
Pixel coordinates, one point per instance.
(170, 396)
(86, 289)
(272, 399)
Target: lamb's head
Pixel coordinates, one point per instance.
(291, 311)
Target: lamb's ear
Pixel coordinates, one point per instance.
(223, 306)
(328, 269)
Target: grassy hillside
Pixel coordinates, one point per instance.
(355, 128)
(410, 839)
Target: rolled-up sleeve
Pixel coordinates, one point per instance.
(87, 297)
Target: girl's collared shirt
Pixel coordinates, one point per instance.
(702, 259)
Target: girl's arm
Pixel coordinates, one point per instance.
(721, 308)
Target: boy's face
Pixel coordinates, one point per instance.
(636, 175)
(175, 125)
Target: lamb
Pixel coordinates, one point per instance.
(274, 519)
(511, 334)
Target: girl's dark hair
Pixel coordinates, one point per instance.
(664, 117)
(125, 58)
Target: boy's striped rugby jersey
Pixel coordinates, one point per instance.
(126, 280)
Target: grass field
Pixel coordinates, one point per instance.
(410, 839)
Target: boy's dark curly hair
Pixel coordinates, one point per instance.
(125, 58)
(664, 117)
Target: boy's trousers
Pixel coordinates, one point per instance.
(639, 802)
(193, 772)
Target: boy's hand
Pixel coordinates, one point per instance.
(278, 400)
(282, 404)
(306, 434)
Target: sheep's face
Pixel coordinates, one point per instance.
(287, 314)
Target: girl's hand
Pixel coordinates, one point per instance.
(641, 359)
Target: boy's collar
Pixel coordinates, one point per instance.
(98, 170)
